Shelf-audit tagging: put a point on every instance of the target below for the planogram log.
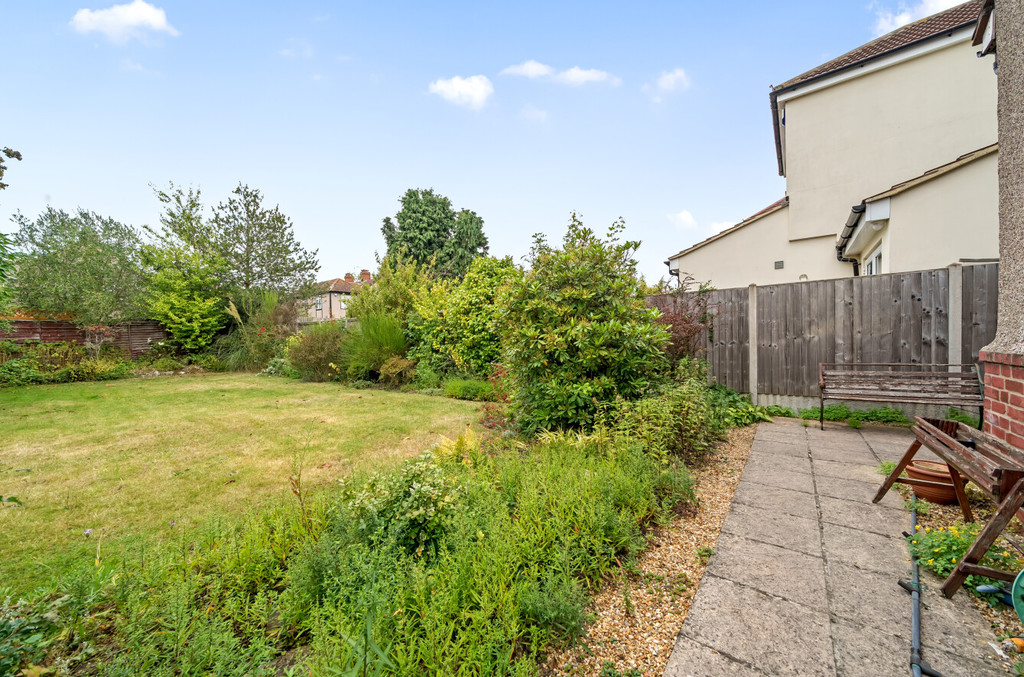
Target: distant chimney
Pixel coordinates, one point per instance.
(349, 277)
(364, 275)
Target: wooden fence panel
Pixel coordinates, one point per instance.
(980, 294)
(134, 338)
(900, 317)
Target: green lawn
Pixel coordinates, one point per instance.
(143, 459)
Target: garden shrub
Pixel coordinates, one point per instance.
(103, 369)
(313, 352)
(736, 408)
(395, 286)
(259, 333)
(469, 389)
(963, 417)
(454, 326)
(781, 411)
(21, 372)
(576, 331)
(855, 417)
(377, 339)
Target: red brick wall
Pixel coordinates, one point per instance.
(1004, 396)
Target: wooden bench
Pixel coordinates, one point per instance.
(994, 466)
(948, 385)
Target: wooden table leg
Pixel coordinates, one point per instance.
(1010, 505)
(900, 467)
(961, 495)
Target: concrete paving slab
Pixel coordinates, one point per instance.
(849, 471)
(780, 477)
(782, 448)
(870, 598)
(776, 528)
(870, 652)
(860, 454)
(864, 549)
(867, 516)
(786, 501)
(691, 659)
(761, 461)
(852, 490)
(774, 572)
(786, 639)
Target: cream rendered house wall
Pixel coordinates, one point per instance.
(748, 255)
(863, 135)
(963, 203)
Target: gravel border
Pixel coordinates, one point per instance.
(637, 620)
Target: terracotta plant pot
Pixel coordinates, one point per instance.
(932, 471)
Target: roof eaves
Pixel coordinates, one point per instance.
(935, 172)
(770, 209)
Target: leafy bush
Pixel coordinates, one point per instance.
(963, 417)
(208, 361)
(103, 369)
(454, 328)
(855, 417)
(779, 410)
(184, 294)
(21, 372)
(556, 608)
(940, 549)
(313, 352)
(394, 289)
(686, 316)
(469, 389)
(576, 331)
(366, 349)
(411, 507)
(680, 420)
(279, 366)
(166, 364)
(735, 408)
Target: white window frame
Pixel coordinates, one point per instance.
(319, 303)
(873, 261)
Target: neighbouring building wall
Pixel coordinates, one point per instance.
(864, 135)
(952, 217)
(748, 256)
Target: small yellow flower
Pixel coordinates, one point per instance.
(930, 561)
(954, 560)
(914, 542)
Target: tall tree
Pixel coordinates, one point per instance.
(6, 154)
(258, 246)
(82, 264)
(186, 286)
(429, 230)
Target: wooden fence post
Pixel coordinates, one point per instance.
(955, 313)
(752, 341)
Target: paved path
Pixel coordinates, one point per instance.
(803, 579)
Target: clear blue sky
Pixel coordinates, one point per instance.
(643, 110)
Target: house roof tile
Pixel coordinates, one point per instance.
(923, 29)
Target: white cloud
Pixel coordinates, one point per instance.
(574, 76)
(887, 20)
(300, 49)
(121, 23)
(471, 92)
(578, 76)
(131, 66)
(669, 81)
(534, 114)
(530, 69)
(674, 81)
(719, 226)
(683, 219)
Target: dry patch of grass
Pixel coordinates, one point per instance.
(145, 458)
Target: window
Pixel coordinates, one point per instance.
(319, 302)
(873, 264)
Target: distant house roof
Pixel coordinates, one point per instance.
(912, 34)
(770, 209)
(339, 285)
